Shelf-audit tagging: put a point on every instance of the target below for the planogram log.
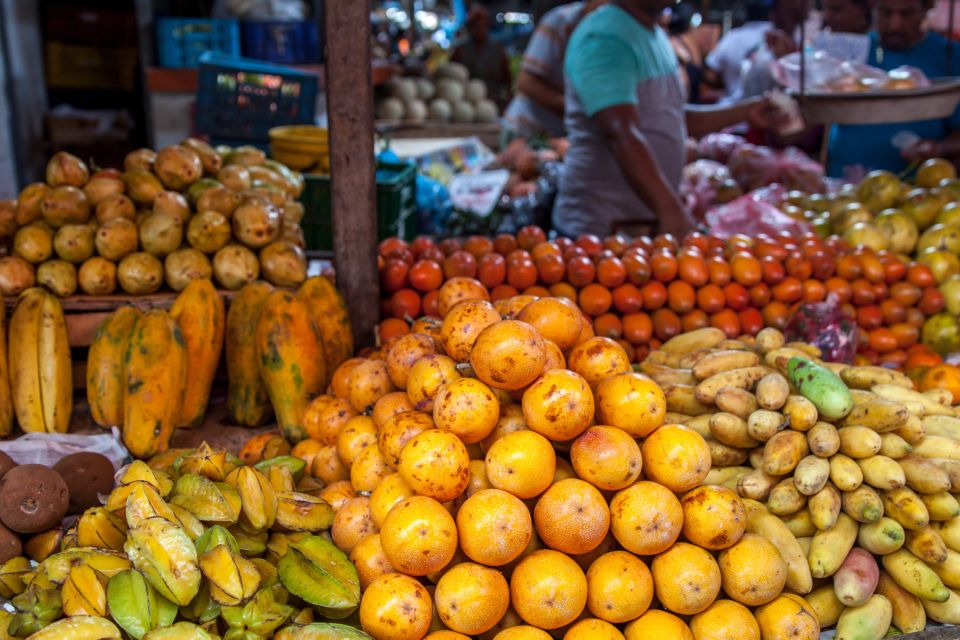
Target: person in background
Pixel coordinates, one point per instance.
(689, 54)
(626, 124)
(537, 107)
(846, 16)
(484, 58)
(899, 40)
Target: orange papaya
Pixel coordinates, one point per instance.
(154, 381)
(198, 312)
(332, 319)
(290, 359)
(248, 403)
(105, 379)
(6, 399)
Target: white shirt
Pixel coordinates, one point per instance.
(733, 50)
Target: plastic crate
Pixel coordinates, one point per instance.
(396, 206)
(282, 41)
(181, 41)
(240, 100)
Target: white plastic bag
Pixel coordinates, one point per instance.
(48, 448)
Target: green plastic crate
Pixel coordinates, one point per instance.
(396, 206)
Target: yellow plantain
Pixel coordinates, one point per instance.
(55, 367)
(22, 356)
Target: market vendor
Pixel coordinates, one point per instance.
(899, 39)
(484, 58)
(627, 124)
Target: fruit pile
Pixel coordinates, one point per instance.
(851, 462)
(196, 545)
(642, 292)
(152, 372)
(185, 212)
(511, 418)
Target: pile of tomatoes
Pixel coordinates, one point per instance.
(642, 291)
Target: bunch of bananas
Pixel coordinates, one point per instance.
(194, 544)
(840, 466)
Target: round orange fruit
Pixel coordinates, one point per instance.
(607, 457)
(556, 319)
(572, 516)
(548, 590)
(398, 430)
(597, 358)
(657, 625)
(370, 561)
(471, 598)
(419, 536)
(359, 433)
(494, 526)
(325, 417)
(508, 355)
(522, 463)
(468, 408)
(368, 382)
(403, 353)
(676, 456)
(457, 290)
(390, 491)
(396, 607)
(511, 419)
(632, 402)
(522, 632)
(462, 326)
(427, 376)
(713, 517)
(352, 523)
(753, 571)
(788, 616)
(390, 405)
(592, 629)
(368, 470)
(559, 405)
(686, 578)
(436, 464)
(646, 518)
(619, 587)
(725, 620)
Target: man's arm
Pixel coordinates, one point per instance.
(620, 127)
(702, 119)
(540, 91)
(948, 147)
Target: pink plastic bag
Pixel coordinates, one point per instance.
(719, 146)
(756, 166)
(753, 214)
(823, 324)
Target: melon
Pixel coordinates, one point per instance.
(440, 110)
(425, 89)
(476, 91)
(453, 70)
(487, 111)
(463, 111)
(450, 90)
(403, 88)
(416, 111)
(390, 109)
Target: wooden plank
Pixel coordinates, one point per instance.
(353, 198)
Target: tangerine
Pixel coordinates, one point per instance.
(418, 536)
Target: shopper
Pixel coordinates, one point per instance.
(899, 40)
(537, 107)
(627, 125)
(484, 58)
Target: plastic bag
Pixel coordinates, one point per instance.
(753, 214)
(828, 73)
(48, 448)
(756, 166)
(705, 183)
(824, 325)
(719, 146)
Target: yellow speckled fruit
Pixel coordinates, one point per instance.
(559, 405)
(556, 319)
(787, 617)
(522, 632)
(631, 401)
(359, 433)
(511, 419)
(327, 466)
(471, 598)
(340, 381)
(725, 620)
(467, 408)
(753, 571)
(522, 463)
(592, 629)
(436, 464)
(510, 307)
(403, 353)
(457, 290)
(445, 634)
(607, 457)
(572, 516)
(597, 359)
(337, 494)
(548, 589)
(478, 478)
(396, 607)
(620, 587)
(686, 578)
(646, 518)
(370, 560)
(419, 536)
(397, 431)
(325, 417)
(427, 376)
(389, 492)
(713, 517)
(390, 405)
(306, 450)
(462, 326)
(508, 355)
(676, 456)
(369, 470)
(352, 523)
(657, 625)
(367, 383)
(494, 526)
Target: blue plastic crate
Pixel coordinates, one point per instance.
(282, 41)
(241, 100)
(181, 41)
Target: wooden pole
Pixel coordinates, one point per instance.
(352, 170)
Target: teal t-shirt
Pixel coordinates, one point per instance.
(857, 148)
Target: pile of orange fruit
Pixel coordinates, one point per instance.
(642, 291)
(502, 473)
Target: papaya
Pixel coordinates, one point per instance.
(291, 360)
(198, 312)
(56, 367)
(248, 403)
(105, 366)
(329, 312)
(6, 400)
(154, 380)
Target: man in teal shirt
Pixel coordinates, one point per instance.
(627, 123)
(899, 40)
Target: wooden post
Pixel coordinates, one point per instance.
(352, 170)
